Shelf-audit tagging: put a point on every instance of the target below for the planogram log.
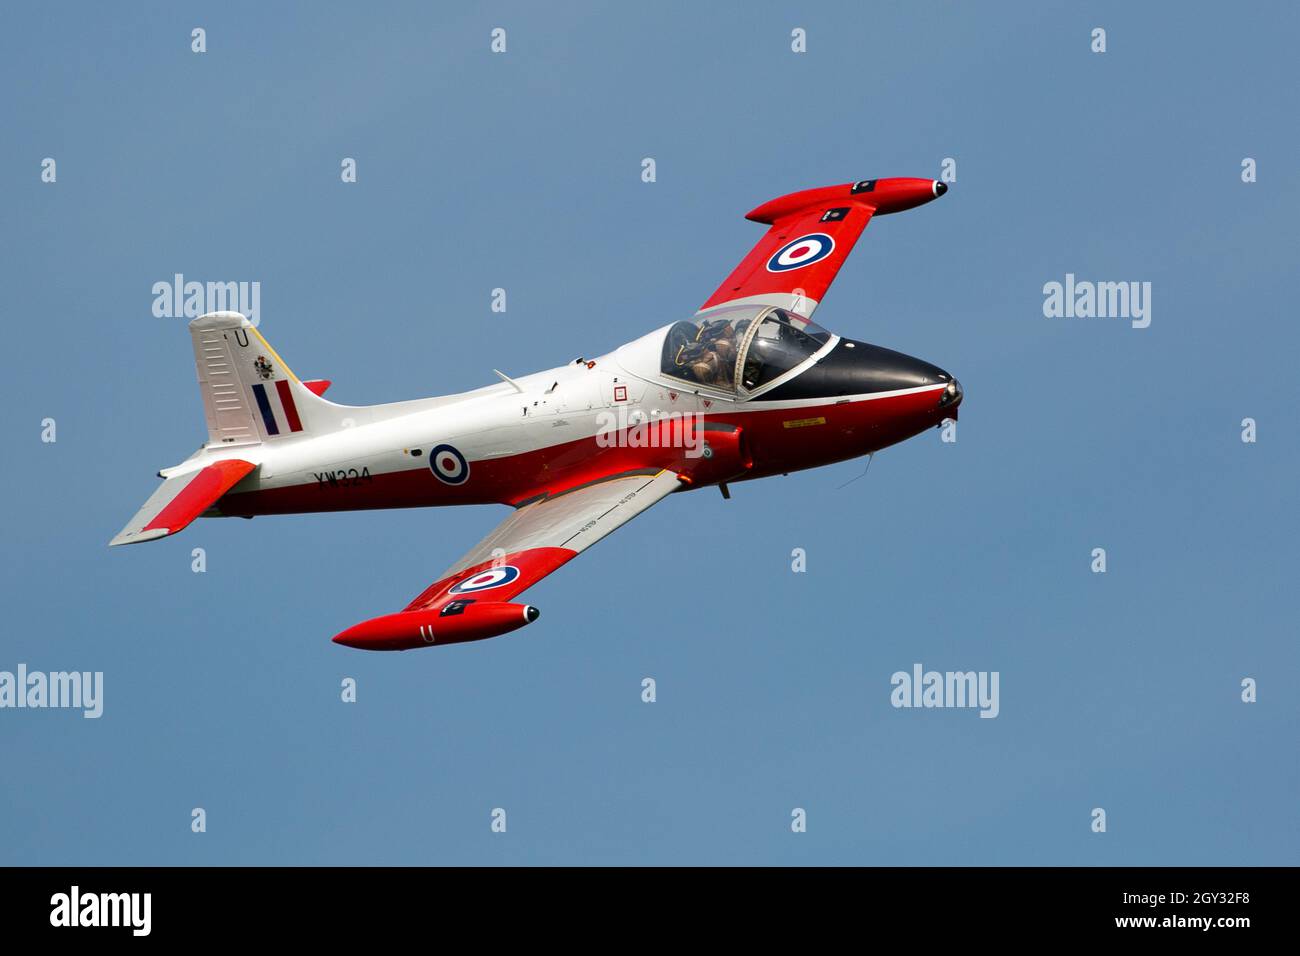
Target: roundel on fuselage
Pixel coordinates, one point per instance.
(448, 465)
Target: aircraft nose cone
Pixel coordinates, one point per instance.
(952, 395)
(862, 369)
(859, 368)
(939, 188)
(883, 370)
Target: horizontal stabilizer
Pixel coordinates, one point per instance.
(181, 499)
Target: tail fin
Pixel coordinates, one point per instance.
(249, 394)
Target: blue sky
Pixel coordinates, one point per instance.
(222, 690)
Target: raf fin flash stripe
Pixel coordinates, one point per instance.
(290, 409)
(268, 417)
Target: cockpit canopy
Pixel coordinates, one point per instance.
(740, 348)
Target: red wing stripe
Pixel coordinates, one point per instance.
(290, 409)
(203, 490)
(532, 565)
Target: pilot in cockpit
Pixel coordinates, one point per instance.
(711, 357)
(724, 349)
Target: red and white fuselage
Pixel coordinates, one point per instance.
(748, 387)
(570, 425)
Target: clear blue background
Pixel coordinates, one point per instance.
(523, 171)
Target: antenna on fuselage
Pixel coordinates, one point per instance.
(863, 475)
(509, 381)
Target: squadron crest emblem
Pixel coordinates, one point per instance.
(264, 368)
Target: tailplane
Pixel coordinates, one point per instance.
(251, 400)
(180, 499)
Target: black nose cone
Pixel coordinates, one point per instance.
(940, 188)
(874, 369)
(857, 368)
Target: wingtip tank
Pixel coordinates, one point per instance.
(453, 623)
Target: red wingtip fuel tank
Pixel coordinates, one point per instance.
(453, 623)
(883, 195)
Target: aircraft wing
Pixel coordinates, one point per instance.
(470, 600)
(811, 234)
(180, 499)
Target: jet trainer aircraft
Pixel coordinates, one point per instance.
(748, 387)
